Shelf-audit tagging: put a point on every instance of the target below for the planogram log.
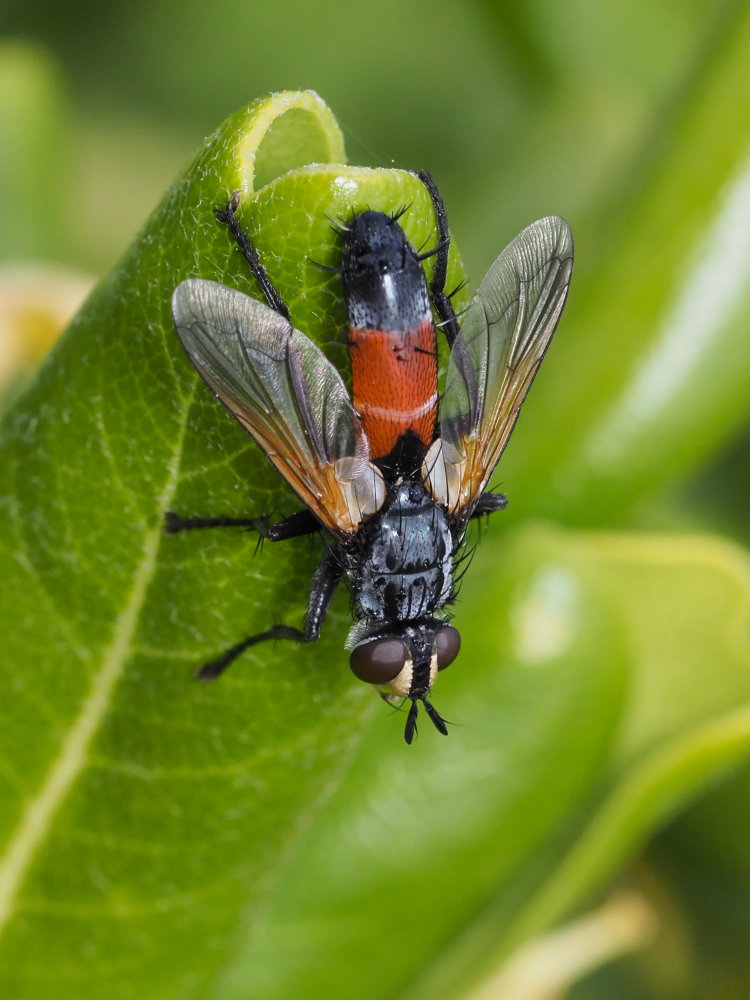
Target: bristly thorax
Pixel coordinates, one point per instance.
(405, 571)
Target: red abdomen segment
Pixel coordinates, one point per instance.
(394, 383)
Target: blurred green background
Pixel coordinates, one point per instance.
(517, 109)
(631, 120)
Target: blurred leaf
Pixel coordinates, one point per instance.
(651, 369)
(36, 302)
(598, 726)
(553, 964)
(704, 861)
(34, 156)
(518, 42)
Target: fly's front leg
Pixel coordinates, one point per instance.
(228, 217)
(325, 581)
(488, 503)
(440, 300)
(301, 523)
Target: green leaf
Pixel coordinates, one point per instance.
(34, 196)
(424, 871)
(702, 864)
(144, 817)
(650, 371)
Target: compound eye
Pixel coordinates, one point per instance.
(447, 645)
(378, 661)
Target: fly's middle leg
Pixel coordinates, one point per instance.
(440, 299)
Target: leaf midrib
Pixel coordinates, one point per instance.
(29, 835)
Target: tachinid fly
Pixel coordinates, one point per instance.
(391, 475)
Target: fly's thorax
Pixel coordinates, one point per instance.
(403, 568)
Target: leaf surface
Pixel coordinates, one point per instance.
(584, 719)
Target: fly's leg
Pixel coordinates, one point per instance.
(301, 523)
(324, 584)
(488, 503)
(228, 217)
(440, 299)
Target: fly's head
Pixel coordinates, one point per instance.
(403, 661)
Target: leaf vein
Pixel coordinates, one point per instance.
(29, 836)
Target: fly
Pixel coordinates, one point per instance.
(393, 475)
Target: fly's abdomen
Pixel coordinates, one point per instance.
(394, 383)
(392, 343)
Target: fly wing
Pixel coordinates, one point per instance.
(504, 335)
(286, 394)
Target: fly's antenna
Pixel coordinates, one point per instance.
(410, 730)
(437, 720)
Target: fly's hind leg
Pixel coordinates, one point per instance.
(228, 217)
(324, 584)
(440, 299)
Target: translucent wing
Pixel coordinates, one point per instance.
(286, 394)
(504, 335)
